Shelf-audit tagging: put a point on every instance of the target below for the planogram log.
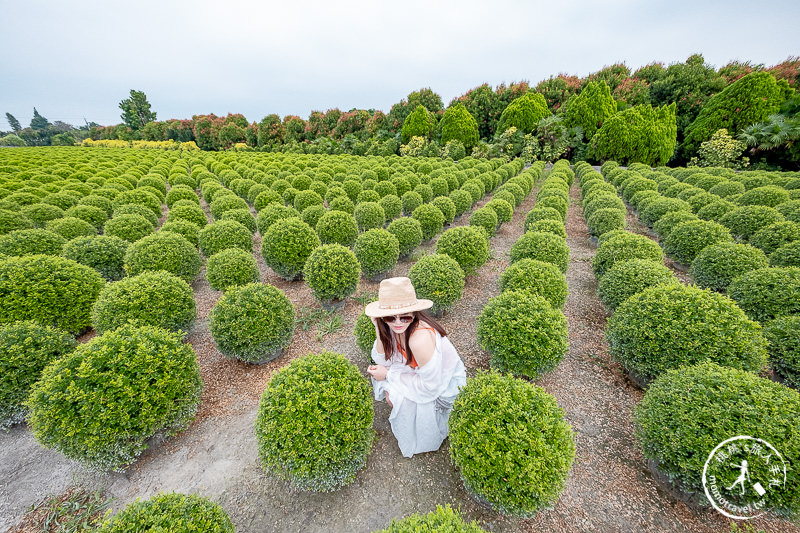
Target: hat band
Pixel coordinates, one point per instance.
(397, 306)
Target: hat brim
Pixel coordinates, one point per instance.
(373, 309)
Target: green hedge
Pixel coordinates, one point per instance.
(537, 277)
(511, 444)
(468, 245)
(541, 246)
(176, 513)
(163, 251)
(687, 239)
(443, 519)
(439, 278)
(34, 241)
(717, 265)
(319, 453)
(630, 277)
(377, 251)
(286, 246)
(622, 247)
(671, 325)
(332, 271)
(231, 268)
(100, 404)
(767, 293)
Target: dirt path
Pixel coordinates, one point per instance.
(609, 488)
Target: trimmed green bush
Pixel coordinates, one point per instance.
(511, 444)
(484, 218)
(605, 220)
(188, 230)
(716, 210)
(252, 323)
(272, 213)
(783, 335)
(462, 200)
(93, 215)
(337, 227)
(776, 235)
(640, 133)
(137, 209)
(70, 227)
(540, 278)
(717, 265)
(431, 220)
(192, 213)
(541, 213)
(411, 200)
(48, 289)
(661, 207)
(31, 242)
(312, 214)
(446, 206)
(392, 206)
(602, 201)
(177, 513)
(287, 245)
(439, 278)
(129, 228)
(785, 256)
(226, 203)
(242, 216)
(770, 196)
(104, 253)
(304, 199)
(332, 271)
(686, 413)
(153, 298)
(224, 234)
(100, 404)
(667, 223)
(408, 232)
(181, 192)
(377, 250)
(630, 277)
(549, 226)
(26, 347)
(524, 113)
(138, 196)
(671, 325)
(364, 334)
(419, 123)
(623, 247)
(266, 198)
(369, 215)
(767, 293)
(441, 520)
(745, 221)
(231, 268)
(468, 245)
(687, 239)
(163, 251)
(523, 333)
(318, 453)
(542, 247)
(32, 215)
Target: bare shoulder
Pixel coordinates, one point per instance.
(423, 344)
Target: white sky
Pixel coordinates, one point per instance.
(76, 60)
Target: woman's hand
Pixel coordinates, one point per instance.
(377, 371)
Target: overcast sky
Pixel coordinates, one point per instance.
(76, 60)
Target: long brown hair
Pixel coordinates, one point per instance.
(387, 338)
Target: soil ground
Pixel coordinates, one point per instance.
(609, 488)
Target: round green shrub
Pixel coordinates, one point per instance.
(442, 519)
(224, 234)
(504, 210)
(439, 278)
(602, 201)
(252, 323)
(342, 203)
(517, 191)
(369, 215)
(687, 412)
(541, 246)
(226, 203)
(272, 213)
(368, 196)
(770, 196)
(714, 211)
(32, 215)
(661, 207)
(783, 335)
(130, 228)
(26, 347)
(242, 216)
(93, 215)
(431, 220)
(318, 453)
(177, 513)
(181, 192)
(392, 206)
(511, 444)
(411, 200)
(559, 204)
(48, 289)
(138, 196)
(790, 210)
(446, 206)
(667, 223)
(785, 256)
(687, 239)
(425, 191)
(541, 213)
(718, 264)
(231, 268)
(153, 298)
(671, 325)
(364, 334)
(70, 227)
(332, 271)
(776, 235)
(747, 220)
(549, 226)
(287, 245)
(523, 333)
(266, 198)
(540, 278)
(95, 200)
(462, 200)
(727, 188)
(337, 227)
(163, 251)
(408, 232)
(312, 214)
(630, 277)
(307, 198)
(468, 245)
(605, 220)
(188, 230)
(138, 209)
(60, 199)
(623, 247)
(192, 213)
(100, 404)
(31, 242)
(104, 253)
(377, 251)
(767, 293)
(484, 218)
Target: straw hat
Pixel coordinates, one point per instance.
(396, 296)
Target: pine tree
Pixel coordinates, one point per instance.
(13, 122)
(136, 110)
(38, 122)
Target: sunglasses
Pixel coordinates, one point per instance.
(405, 319)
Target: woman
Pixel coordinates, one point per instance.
(418, 371)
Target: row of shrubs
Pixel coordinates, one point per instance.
(720, 262)
(697, 353)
